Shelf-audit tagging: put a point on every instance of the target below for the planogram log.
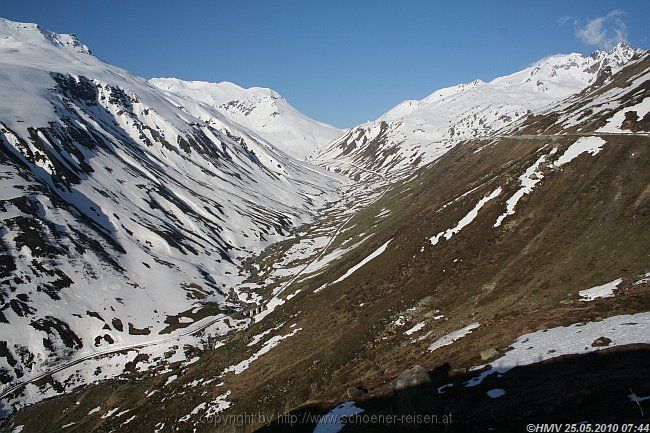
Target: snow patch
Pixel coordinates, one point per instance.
(270, 344)
(415, 329)
(95, 410)
(591, 145)
(170, 379)
(453, 336)
(333, 421)
(603, 291)
(356, 267)
(615, 123)
(636, 398)
(496, 393)
(528, 180)
(467, 219)
(573, 339)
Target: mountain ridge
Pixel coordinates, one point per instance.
(414, 133)
(261, 109)
(162, 259)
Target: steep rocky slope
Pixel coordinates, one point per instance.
(125, 217)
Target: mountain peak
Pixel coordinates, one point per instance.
(622, 53)
(34, 33)
(621, 46)
(214, 93)
(260, 109)
(619, 55)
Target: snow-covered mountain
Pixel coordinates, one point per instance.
(416, 132)
(136, 221)
(497, 273)
(122, 210)
(261, 110)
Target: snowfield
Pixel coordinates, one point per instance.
(578, 338)
(615, 123)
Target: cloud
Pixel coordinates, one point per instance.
(563, 20)
(604, 32)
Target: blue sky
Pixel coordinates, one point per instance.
(343, 62)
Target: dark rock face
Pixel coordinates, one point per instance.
(633, 123)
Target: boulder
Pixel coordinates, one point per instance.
(413, 392)
(488, 354)
(601, 342)
(413, 377)
(355, 393)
